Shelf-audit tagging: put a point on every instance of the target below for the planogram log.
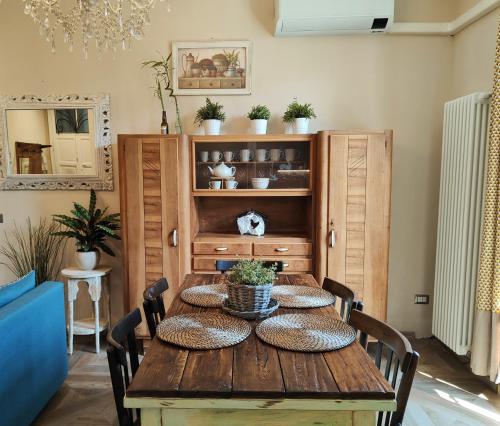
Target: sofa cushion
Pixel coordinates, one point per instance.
(15, 289)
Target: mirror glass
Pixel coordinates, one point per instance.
(51, 141)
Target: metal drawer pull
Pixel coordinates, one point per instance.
(174, 238)
(285, 265)
(332, 238)
(281, 249)
(221, 249)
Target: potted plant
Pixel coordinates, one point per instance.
(299, 115)
(233, 62)
(259, 114)
(90, 228)
(211, 115)
(250, 285)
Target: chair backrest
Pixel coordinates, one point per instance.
(399, 358)
(154, 308)
(225, 265)
(345, 294)
(121, 337)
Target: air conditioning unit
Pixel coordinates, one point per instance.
(320, 17)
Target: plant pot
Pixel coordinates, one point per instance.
(246, 298)
(300, 126)
(258, 127)
(231, 72)
(212, 127)
(87, 260)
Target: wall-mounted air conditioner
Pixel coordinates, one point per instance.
(318, 17)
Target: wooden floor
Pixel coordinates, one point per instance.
(444, 392)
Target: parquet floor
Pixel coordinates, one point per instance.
(444, 393)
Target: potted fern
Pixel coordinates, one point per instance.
(250, 285)
(299, 115)
(210, 116)
(259, 115)
(90, 228)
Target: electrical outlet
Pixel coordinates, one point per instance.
(421, 299)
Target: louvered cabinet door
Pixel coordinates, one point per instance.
(357, 211)
(151, 199)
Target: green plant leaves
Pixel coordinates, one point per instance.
(259, 112)
(89, 227)
(210, 111)
(252, 272)
(296, 110)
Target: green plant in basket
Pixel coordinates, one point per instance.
(259, 112)
(252, 272)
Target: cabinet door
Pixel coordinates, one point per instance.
(150, 178)
(359, 190)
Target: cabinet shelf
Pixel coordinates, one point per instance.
(252, 192)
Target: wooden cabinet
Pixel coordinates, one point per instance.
(354, 198)
(333, 182)
(153, 203)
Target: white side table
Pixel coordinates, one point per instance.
(93, 279)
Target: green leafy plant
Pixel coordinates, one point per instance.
(232, 58)
(210, 111)
(296, 110)
(90, 227)
(259, 112)
(36, 247)
(252, 272)
(163, 83)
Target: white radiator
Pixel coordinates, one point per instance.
(465, 139)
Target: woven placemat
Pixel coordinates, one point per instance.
(203, 330)
(306, 332)
(300, 296)
(208, 296)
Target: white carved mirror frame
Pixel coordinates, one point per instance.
(103, 180)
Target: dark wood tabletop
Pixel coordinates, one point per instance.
(254, 369)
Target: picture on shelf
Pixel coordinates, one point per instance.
(212, 68)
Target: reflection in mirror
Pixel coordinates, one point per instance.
(51, 141)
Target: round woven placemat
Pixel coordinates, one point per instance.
(203, 330)
(208, 296)
(306, 332)
(300, 296)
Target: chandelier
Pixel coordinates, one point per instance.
(110, 24)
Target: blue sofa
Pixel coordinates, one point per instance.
(33, 357)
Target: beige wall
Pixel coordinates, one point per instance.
(398, 82)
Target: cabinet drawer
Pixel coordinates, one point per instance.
(292, 264)
(282, 249)
(207, 263)
(222, 248)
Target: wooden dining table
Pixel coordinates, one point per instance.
(253, 383)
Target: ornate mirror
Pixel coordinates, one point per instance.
(55, 142)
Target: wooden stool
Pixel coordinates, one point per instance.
(93, 280)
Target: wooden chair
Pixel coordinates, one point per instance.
(345, 294)
(121, 336)
(154, 308)
(225, 265)
(400, 357)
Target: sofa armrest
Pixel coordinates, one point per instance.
(33, 357)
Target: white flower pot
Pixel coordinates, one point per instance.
(87, 260)
(212, 127)
(258, 127)
(301, 126)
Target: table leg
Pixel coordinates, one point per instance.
(95, 295)
(72, 293)
(151, 417)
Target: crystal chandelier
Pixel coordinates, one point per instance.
(110, 24)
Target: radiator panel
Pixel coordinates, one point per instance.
(459, 225)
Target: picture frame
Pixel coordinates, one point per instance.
(212, 67)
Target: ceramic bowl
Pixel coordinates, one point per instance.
(260, 183)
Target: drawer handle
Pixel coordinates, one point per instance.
(281, 249)
(285, 265)
(332, 238)
(174, 238)
(220, 248)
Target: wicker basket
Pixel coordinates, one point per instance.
(247, 298)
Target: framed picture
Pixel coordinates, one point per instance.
(212, 67)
